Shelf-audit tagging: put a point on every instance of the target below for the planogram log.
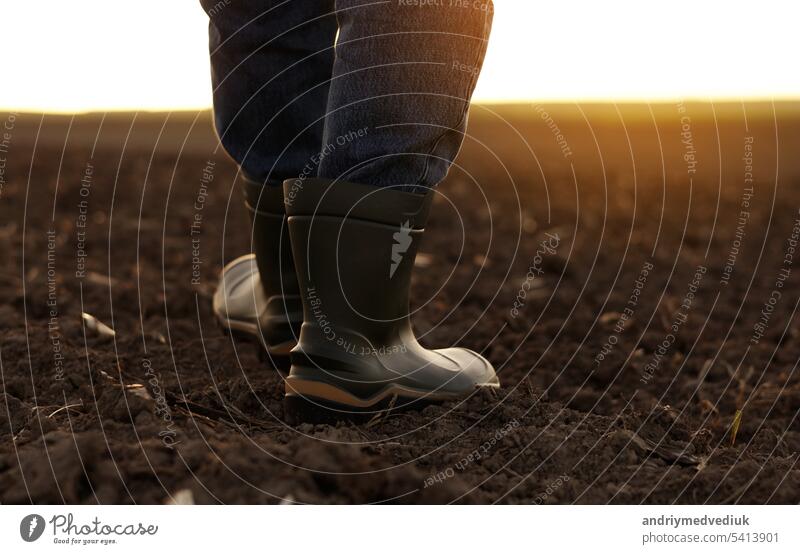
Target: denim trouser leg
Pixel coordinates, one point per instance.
(402, 82)
(271, 63)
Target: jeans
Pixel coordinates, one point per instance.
(374, 92)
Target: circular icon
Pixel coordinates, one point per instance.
(31, 527)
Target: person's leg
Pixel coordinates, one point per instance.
(397, 108)
(271, 63)
(402, 82)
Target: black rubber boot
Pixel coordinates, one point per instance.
(354, 248)
(258, 297)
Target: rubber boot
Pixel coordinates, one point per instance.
(354, 248)
(258, 297)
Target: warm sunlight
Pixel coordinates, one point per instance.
(150, 54)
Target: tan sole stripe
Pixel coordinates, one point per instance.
(323, 391)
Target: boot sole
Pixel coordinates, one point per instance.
(314, 401)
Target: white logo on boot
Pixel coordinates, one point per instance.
(402, 239)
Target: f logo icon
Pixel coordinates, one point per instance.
(31, 527)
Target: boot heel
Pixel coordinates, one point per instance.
(301, 409)
(308, 401)
(276, 357)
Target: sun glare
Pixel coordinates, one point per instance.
(151, 54)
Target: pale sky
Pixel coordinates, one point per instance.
(61, 55)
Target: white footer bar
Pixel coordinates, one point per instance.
(400, 529)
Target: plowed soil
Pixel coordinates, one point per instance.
(631, 271)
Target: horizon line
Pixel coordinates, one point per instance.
(505, 102)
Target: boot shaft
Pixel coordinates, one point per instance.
(354, 248)
(270, 239)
